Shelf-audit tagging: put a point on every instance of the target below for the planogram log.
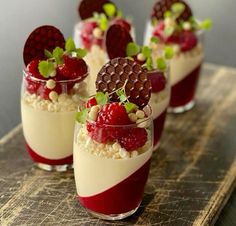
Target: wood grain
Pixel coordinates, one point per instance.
(192, 174)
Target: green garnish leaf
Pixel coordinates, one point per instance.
(48, 54)
(154, 22)
(146, 51)
(132, 49)
(206, 24)
(149, 64)
(46, 68)
(101, 98)
(167, 14)
(121, 94)
(81, 53)
(81, 116)
(109, 9)
(103, 22)
(130, 107)
(178, 8)
(119, 13)
(169, 31)
(155, 40)
(161, 64)
(58, 55)
(169, 52)
(70, 45)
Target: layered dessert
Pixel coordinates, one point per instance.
(173, 24)
(113, 142)
(53, 85)
(158, 73)
(90, 33)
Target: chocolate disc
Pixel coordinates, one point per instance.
(120, 71)
(162, 6)
(88, 7)
(117, 39)
(45, 37)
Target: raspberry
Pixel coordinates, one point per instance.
(188, 41)
(158, 81)
(91, 102)
(134, 138)
(32, 69)
(73, 68)
(110, 114)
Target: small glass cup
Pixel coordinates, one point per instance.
(184, 76)
(110, 181)
(48, 119)
(159, 101)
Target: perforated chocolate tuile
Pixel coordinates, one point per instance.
(87, 8)
(119, 71)
(44, 37)
(117, 39)
(162, 6)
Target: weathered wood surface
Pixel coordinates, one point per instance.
(192, 175)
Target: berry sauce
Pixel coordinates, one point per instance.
(184, 91)
(39, 159)
(121, 198)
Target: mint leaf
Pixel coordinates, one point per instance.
(146, 51)
(121, 94)
(206, 24)
(119, 13)
(161, 64)
(81, 116)
(58, 55)
(178, 8)
(149, 64)
(48, 54)
(109, 9)
(130, 107)
(132, 49)
(101, 98)
(70, 45)
(154, 22)
(155, 40)
(169, 31)
(167, 14)
(46, 69)
(103, 22)
(81, 53)
(169, 52)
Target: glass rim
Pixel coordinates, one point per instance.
(27, 74)
(134, 125)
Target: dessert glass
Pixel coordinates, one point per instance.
(48, 120)
(159, 103)
(110, 181)
(185, 69)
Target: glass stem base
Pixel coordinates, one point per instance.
(182, 109)
(55, 168)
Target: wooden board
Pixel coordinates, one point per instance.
(192, 175)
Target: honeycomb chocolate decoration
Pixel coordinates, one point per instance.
(87, 8)
(44, 37)
(117, 39)
(162, 6)
(120, 71)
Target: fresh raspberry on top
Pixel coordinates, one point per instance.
(32, 69)
(187, 40)
(73, 68)
(134, 139)
(91, 102)
(110, 114)
(124, 23)
(158, 81)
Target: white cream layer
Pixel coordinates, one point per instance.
(159, 102)
(94, 174)
(49, 134)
